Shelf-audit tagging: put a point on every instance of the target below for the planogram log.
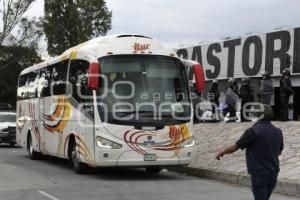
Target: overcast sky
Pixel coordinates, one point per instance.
(177, 22)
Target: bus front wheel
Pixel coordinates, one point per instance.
(33, 155)
(78, 166)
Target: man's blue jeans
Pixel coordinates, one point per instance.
(263, 183)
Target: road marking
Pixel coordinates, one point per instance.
(14, 151)
(47, 195)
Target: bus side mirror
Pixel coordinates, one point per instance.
(199, 77)
(94, 76)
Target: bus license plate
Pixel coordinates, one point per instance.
(150, 157)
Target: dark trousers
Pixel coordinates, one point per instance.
(263, 184)
(215, 107)
(232, 111)
(242, 111)
(284, 108)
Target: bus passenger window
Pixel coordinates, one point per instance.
(41, 83)
(30, 88)
(45, 90)
(78, 79)
(60, 77)
(21, 89)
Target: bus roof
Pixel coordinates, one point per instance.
(109, 45)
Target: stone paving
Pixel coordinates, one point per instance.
(211, 137)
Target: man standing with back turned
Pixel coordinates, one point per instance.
(263, 143)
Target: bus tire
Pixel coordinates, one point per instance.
(78, 166)
(153, 170)
(33, 155)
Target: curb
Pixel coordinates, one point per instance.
(283, 186)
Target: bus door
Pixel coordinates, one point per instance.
(81, 99)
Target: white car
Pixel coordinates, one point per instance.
(8, 128)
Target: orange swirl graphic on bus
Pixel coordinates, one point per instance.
(61, 116)
(177, 134)
(59, 108)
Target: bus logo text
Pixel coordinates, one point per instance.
(140, 47)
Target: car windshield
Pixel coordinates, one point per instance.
(7, 118)
(146, 85)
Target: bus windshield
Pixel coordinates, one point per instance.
(143, 88)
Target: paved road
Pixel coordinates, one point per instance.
(52, 179)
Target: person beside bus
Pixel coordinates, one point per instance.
(286, 91)
(266, 90)
(232, 98)
(246, 95)
(213, 95)
(263, 143)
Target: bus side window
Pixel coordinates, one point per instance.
(46, 73)
(78, 79)
(53, 79)
(31, 85)
(21, 87)
(59, 77)
(41, 82)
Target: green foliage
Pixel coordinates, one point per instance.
(29, 33)
(13, 60)
(11, 15)
(68, 23)
(19, 37)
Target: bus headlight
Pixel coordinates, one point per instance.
(105, 143)
(186, 143)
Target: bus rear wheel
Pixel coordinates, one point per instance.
(78, 166)
(153, 170)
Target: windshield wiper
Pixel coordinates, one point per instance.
(144, 113)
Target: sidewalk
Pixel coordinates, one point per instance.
(211, 137)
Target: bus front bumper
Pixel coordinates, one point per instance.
(132, 158)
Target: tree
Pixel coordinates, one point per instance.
(68, 23)
(13, 60)
(29, 33)
(12, 12)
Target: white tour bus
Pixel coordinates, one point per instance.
(120, 100)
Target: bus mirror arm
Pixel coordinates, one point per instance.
(94, 76)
